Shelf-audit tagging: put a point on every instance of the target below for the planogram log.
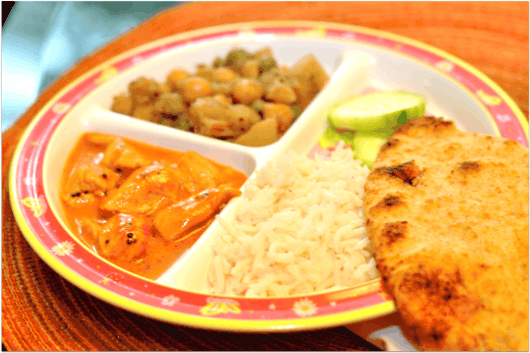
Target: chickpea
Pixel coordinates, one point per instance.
(175, 77)
(170, 104)
(122, 104)
(143, 91)
(250, 69)
(221, 98)
(204, 71)
(245, 91)
(224, 75)
(164, 88)
(145, 112)
(222, 88)
(281, 112)
(195, 87)
(281, 93)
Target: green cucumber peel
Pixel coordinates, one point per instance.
(366, 146)
(377, 111)
(331, 136)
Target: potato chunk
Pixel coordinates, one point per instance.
(242, 117)
(263, 133)
(211, 118)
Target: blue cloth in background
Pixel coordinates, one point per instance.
(42, 39)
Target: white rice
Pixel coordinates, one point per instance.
(299, 229)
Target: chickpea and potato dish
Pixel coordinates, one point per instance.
(244, 98)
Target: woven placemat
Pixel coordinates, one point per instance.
(43, 312)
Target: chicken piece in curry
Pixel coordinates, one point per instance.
(140, 206)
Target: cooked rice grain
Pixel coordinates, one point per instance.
(299, 229)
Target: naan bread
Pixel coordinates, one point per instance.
(447, 214)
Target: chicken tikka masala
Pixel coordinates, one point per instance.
(140, 206)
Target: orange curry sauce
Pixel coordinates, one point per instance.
(140, 206)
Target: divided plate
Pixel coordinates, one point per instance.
(384, 61)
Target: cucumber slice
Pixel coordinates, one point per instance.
(331, 136)
(366, 146)
(377, 111)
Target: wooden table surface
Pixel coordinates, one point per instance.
(42, 311)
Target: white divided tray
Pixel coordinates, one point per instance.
(353, 72)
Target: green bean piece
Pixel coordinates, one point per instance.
(218, 62)
(267, 64)
(165, 122)
(236, 58)
(181, 123)
(258, 105)
(296, 111)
